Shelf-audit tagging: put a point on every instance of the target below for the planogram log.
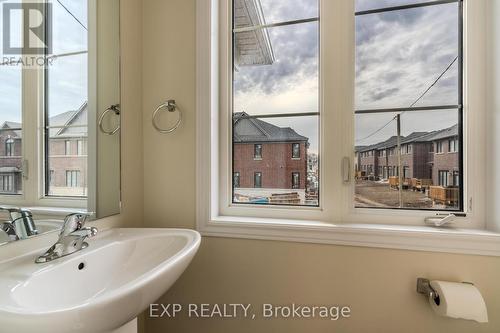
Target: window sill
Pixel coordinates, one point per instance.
(416, 238)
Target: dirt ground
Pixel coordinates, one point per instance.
(377, 194)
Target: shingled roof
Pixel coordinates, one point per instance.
(14, 126)
(252, 130)
(70, 124)
(412, 138)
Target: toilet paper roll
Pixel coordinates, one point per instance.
(459, 300)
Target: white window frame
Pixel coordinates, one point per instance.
(258, 147)
(299, 151)
(6, 186)
(453, 145)
(74, 178)
(10, 147)
(67, 147)
(80, 148)
(33, 146)
(335, 221)
(443, 176)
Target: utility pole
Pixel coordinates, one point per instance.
(400, 176)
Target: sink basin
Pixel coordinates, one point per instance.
(97, 289)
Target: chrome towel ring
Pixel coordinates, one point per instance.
(170, 106)
(113, 108)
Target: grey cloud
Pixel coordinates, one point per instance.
(390, 77)
(285, 10)
(381, 94)
(296, 49)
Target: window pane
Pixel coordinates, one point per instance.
(428, 169)
(69, 26)
(10, 157)
(67, 87)
(296, 150)
(67, 96)
(399, 54)
(248, 13)
(68, 173)
(289, 10)
(277, 177)
(362, 5)
(276, 71)
(10, 113)
(280, 76)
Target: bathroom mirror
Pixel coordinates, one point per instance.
(59, 112)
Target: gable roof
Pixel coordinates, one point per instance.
(15, 126)
(64, 122)
(252, 130)
(61, 124)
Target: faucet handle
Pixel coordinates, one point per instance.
(74, 222)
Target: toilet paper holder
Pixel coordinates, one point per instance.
(424, 287)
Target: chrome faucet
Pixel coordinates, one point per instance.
(71, 239)
(10, 230)
(21, 224)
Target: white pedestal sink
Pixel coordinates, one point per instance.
(98, 289)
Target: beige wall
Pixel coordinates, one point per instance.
(131, 134)
(493, 163)
(378, 284)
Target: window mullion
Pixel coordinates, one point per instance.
(274, 25)
(337, 82)
(31, 111)
(404, 7)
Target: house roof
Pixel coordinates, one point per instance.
(61, 124)
(251, 47)
(252, 130)
(439, 135)
(12, 125)
(413, 138)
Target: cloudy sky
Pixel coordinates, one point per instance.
(67, 76)
(398, 56)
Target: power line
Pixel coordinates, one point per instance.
(435, 82)
(377, 131)
(416, 101)
(70, 13)
(10, 62)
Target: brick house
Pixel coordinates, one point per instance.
(67, 155)
(10, 158)
(268, 159)
(424, 155)
(445, 157)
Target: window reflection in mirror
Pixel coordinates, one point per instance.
(52, 154)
